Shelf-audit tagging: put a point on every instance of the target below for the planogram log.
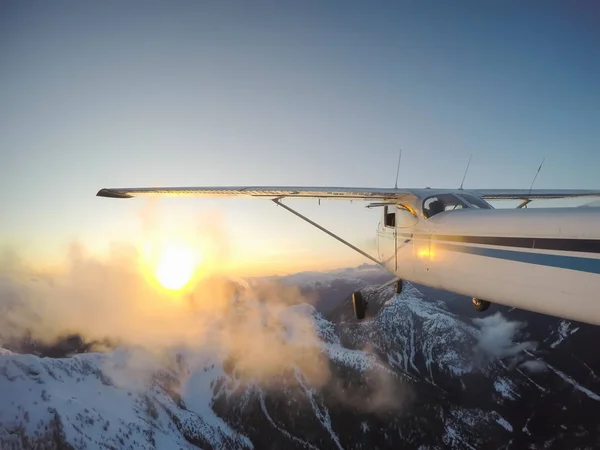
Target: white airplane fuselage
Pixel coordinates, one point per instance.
(543, 260)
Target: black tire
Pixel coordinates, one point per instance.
(481, 305)
(359, 304)
(398, 285)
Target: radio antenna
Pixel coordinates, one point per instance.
(466, 170)
(398, 169)
(536, 174)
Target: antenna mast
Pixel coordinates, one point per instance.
(398, 169)
(466, 170)
(536, 174)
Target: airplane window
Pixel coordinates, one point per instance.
(389, 217)
(440, 203)
(405, 218)
(476, 201)
(399, 216)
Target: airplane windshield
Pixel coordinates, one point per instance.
(476, 201)
(440, 203)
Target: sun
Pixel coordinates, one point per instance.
(176, 266)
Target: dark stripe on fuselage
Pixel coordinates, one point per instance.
(589, 265)
(557, 244)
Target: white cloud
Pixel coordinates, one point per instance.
(499, 338)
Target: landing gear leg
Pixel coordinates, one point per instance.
(398, 286)
(359, 303)
(480, 305)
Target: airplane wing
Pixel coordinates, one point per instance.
(344, 193)
(526, 194)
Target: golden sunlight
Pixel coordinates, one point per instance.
(425, 253)
(176, 267)
(172, 265)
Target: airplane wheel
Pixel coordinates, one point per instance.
(481, 305)
(398, 286)
(359, 304)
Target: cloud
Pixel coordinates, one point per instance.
(111, 298)
(248, 326)
(114, 299)
(534, 366)
(260, 331)
(376, 390)
(498, 338)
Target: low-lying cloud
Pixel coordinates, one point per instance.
(250, 327)
(112, 301)
(111, 298)
(116, 301)
(534, 366)
(499, 338)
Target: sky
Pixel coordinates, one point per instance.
(132, 94)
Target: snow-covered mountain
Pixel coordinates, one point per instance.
(415, 374)
(513, 366)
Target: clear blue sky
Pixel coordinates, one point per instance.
(109, 94)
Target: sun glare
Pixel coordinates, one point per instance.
(176, 266)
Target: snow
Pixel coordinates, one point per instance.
(471, 417)
(563, 332)
(525, 429)
(574, 383)
(412, 344)
(503, 387)
(197, 393)
(96, 408)
(320, 412)
(592, 373)
(504, 423)
(453, 439)
(530, 380)
(416, 328)
(355, 359)
(281, 430)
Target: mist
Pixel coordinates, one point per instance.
(251, 327)
(111, 299)
(499, 339)
(534, 366)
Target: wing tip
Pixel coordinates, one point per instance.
(111, 193)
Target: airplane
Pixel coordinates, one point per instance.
(545, 260)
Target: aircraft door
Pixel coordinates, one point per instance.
(406, 221)
(387, 236)
(393, 242)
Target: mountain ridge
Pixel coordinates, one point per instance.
(416, 373)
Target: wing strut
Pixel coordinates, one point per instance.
(524, 203)
(325, 230)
